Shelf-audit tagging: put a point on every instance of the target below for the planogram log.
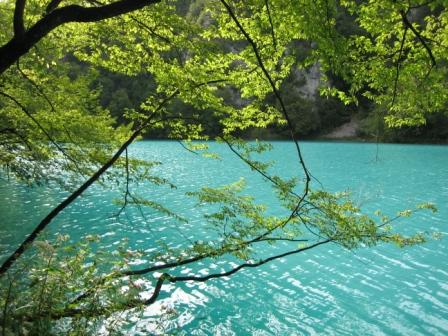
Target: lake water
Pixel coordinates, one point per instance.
(328, 290)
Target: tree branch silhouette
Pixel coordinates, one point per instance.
(23, 40)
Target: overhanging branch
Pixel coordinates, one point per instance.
(247, 265)
(61, 206)
(173, 279)
(72, 197)
(277, 96)
(23, 40)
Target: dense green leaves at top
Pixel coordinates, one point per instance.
(398, 59)
(394, 54)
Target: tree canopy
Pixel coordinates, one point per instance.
(198, 54)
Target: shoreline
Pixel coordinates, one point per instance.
(359, 140)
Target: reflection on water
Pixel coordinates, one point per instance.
(381, 291)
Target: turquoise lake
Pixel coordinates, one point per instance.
(326, 291)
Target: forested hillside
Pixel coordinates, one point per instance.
(315, 115)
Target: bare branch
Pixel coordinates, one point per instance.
(127, 192)
(246, 265)
(157, 288)
(174, 279)
(284, 239)
(186, 148)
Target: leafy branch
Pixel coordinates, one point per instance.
(95, 176)
(23, 40)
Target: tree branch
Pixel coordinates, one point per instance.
(22, 43)
(246, 265)
(126, 192)
(173, 279)
(19, 27)
(419, 37)
(61, 206)
(397, 73)
(252, 166)
(274, 41)
(37, 123)
(278, 97)
(65, 203)
(52, 5)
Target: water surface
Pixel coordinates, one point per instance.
(379, 291)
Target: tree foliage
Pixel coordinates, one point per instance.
(52, 123)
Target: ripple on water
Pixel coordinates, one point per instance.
(329, 291)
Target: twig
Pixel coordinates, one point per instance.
(50, 138)
(419, 37)
(252, 166)
(34, 84)
(247, 265)
(274, 41)
(150, 30)
(398, 66)
(186, 148)
(126, 193)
